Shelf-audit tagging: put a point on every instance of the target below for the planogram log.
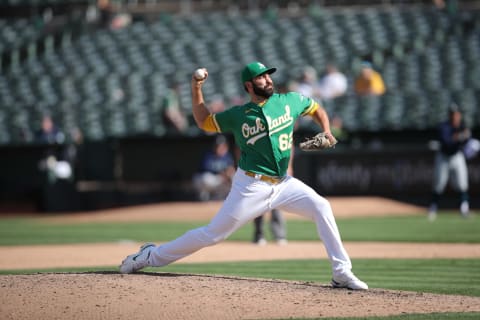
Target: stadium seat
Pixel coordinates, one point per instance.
(5, 138)
(393, 111)
(369, 112)
(416, 111)
(439, 100)
(107, 77)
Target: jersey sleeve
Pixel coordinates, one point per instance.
(210, 125)
(219, 122)
(311, 108)
(306, 105)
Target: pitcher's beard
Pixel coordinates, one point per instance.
(263, 92)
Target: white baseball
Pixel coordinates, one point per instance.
(199, 74)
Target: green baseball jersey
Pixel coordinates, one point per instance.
(264, 133)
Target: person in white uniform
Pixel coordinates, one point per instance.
(263, 131)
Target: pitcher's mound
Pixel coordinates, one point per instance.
(180, 296)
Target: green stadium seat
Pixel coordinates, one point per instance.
(439, 102)
(424, 58)
(393, 111)
(369, 110)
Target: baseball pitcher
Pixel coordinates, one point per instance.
(263, 130)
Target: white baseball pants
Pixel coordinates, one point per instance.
(456, 165)
(250, 198)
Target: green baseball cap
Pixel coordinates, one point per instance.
(255, 69)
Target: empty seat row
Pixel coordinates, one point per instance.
(110, 82)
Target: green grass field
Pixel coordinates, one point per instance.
(446, 276)
(450, 228)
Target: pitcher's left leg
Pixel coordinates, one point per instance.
(297, 197)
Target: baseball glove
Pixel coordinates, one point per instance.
(320, 141)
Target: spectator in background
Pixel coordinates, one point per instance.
(57, 172)
(111, 16)
(332, 84)
(54, 159)
(369, 82)
(49, 133)
(213, 181)
(450, 6)
(450, 158)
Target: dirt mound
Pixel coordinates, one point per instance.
(182, 296)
